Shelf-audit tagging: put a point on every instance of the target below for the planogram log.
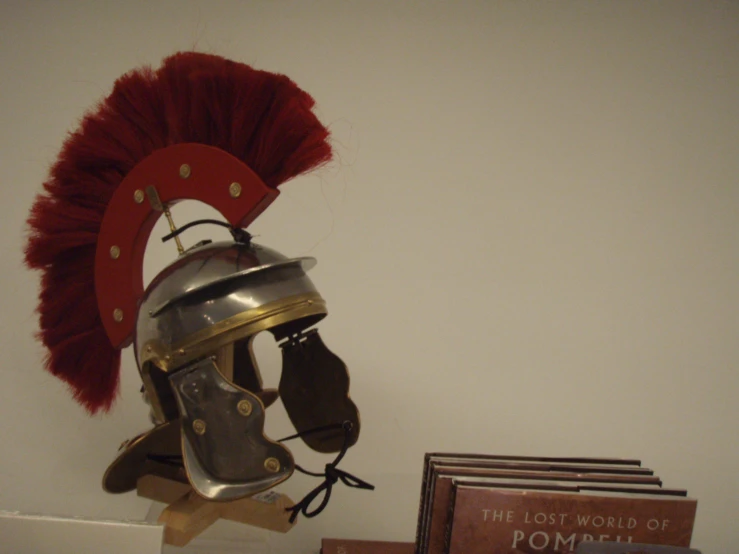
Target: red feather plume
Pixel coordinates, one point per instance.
(261, 118)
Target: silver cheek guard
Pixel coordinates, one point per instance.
(224, 449)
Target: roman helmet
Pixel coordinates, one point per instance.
(199, 127)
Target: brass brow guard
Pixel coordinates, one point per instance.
(225, 452)
(314, 388)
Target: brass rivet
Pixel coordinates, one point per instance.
(138, 196)
(272, 465)
(149, 348)
(244, 407)
(185, 171)
(235, 190)
(198, 426)
(115, 252)
(118, 315)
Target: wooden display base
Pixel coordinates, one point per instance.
(188, 514)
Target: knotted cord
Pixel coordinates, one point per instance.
(331, 475)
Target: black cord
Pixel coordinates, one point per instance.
(331, 475)
(239, 235)
(315, 430)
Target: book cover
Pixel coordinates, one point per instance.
(547, 459)
(498, 520)
(350, 546)
(440, 493)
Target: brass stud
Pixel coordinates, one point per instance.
(115, 252)
(139, 196)
(118, 315)
(185, 171)
(244, 407)
(198, 426)
(234, 190)
(272, 465)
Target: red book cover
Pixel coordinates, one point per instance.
(487, 520)
(440, 490)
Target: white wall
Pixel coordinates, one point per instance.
(529, 244)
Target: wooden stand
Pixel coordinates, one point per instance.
(188, 514)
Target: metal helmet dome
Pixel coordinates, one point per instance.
(214, 296)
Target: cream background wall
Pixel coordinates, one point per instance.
(529, 242)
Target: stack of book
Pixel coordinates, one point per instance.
(482, 504)
(485, 504)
